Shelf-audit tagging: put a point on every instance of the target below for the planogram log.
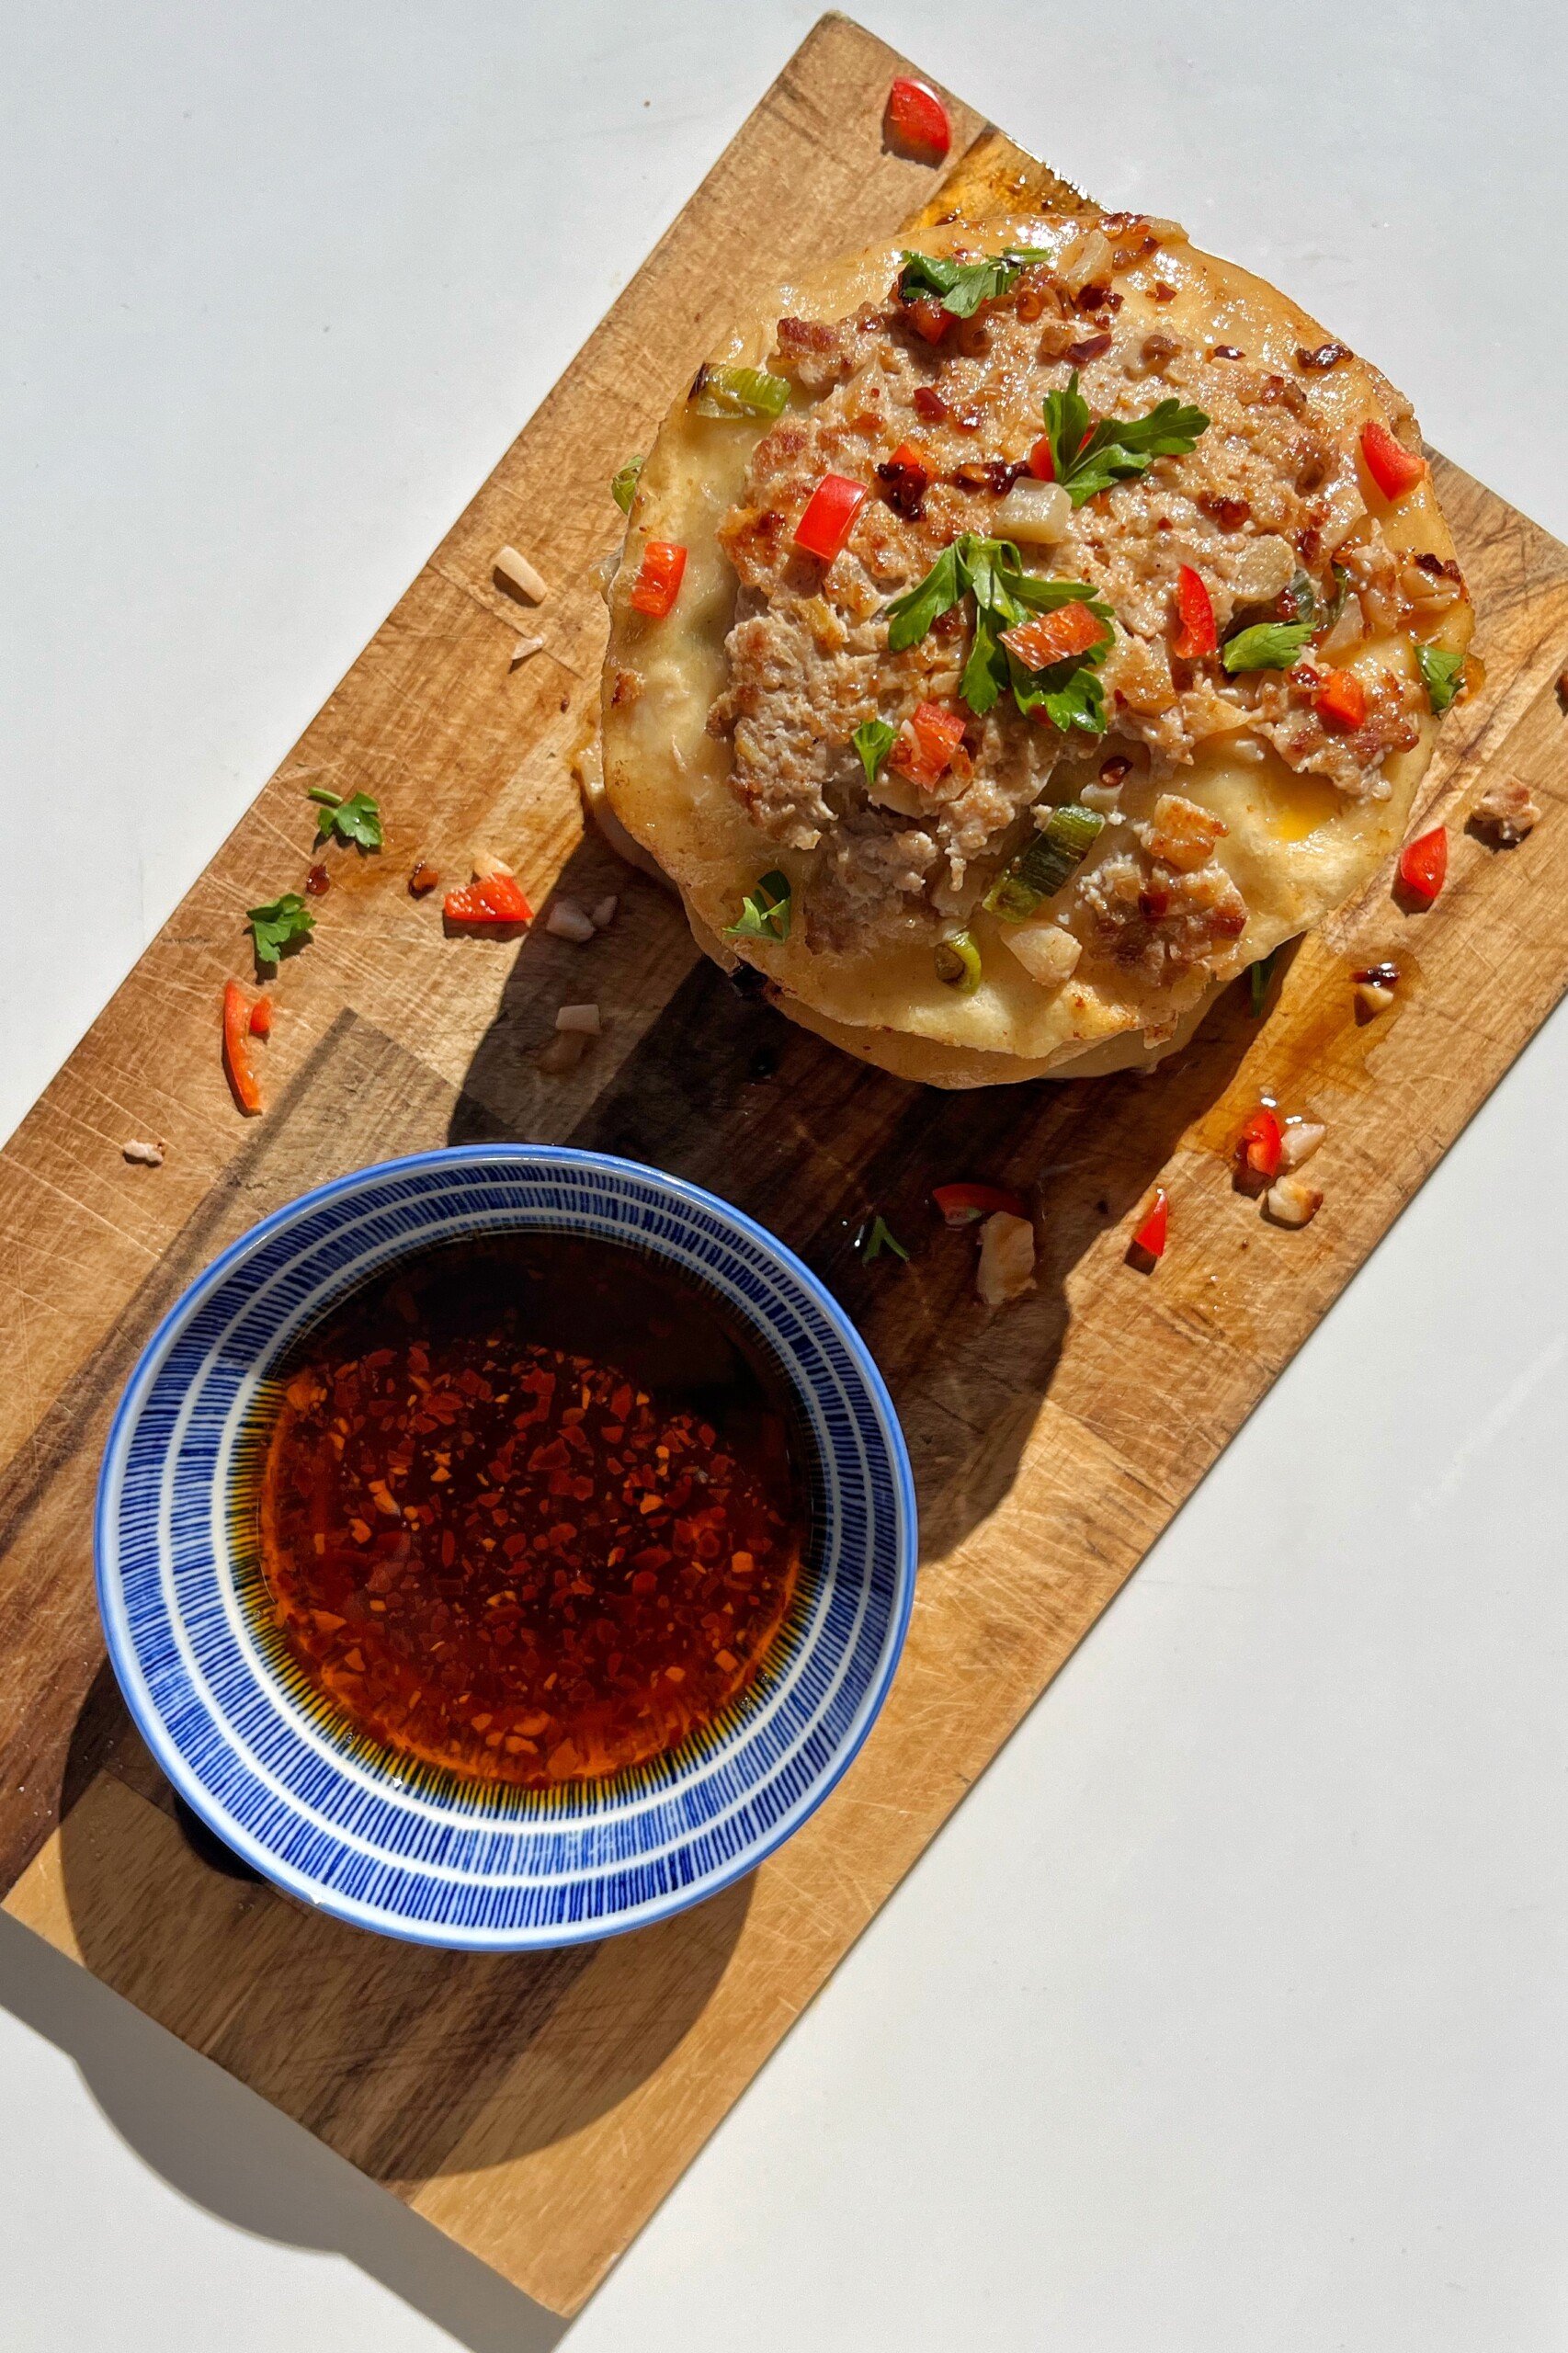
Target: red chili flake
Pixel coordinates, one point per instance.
(1326, 354)
(318, 882)
(1091, 346)
(930, 404)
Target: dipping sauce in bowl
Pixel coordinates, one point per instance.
(506, 1546)
(530, 1508)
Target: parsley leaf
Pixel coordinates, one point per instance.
(873, 739)
(282, 925)
(911, 615)
(873, 1239)
(1117, 448)
(992, 571)
(1441, 673)
(765, 911)
(357, 819)
(1268, 646)
(960, 286)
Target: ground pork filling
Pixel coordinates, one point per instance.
(1269, 492)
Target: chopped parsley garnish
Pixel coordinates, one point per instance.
(281, 926)
(357, 819)
(960, 286)
(873, 739)
(765, 911)
(992, 571)
(1267, 645)
(873, 1239)
(623, 485)
(1440, 673)
(1118, 448)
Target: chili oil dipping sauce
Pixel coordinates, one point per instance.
(531, 1510)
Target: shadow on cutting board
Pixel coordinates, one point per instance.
(724, 1091)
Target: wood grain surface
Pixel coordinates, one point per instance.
(539, 2108)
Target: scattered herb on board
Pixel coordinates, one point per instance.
(281, 926)
(357, 819)
(873, 1239)
(1260, 977)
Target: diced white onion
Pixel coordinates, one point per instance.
(147, 1155)
(1088, 261)
(564, 1052)
(1299, 1139)
(1260, 568)
(1290, 1201)
(525, 649)
(1036, 514)
(1007, 1259)
(601, 915)
(518, 573)
(1047, 953)
(582, 1019)
(568, 920)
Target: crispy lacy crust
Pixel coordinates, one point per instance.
(727, 726)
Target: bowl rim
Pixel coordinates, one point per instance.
(120, 1645)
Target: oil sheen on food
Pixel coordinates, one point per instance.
(529, 1509)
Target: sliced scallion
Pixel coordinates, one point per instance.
(623, 487)
(1051, 860)
(957, 963)
(739, 392)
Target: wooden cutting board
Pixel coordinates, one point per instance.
(539, 2108)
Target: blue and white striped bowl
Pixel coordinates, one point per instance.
(347, 1826)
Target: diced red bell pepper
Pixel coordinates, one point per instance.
(1046, 637)
(658, 580)
(830, 516)
(493, 898)
(938, 733)
(1341, 700)
(261, 1017)
(916, 117)
(1043, 460)
(1151, 1236)
(1259, 1143)
(1424, 863)
(966, 1204)
(1393, 467)
(911, 460)
(236, 1048)
(1198, 634)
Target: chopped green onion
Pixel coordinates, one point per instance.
(1441, 673)
(957, 963)
(765, 911)
(1259, 975)
(873, 1239)
(1051, 860)
(873, 739)
(623, 487)
(739, 392)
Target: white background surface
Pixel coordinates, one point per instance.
(1227, 2016)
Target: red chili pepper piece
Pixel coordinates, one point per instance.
(938, 733)
(261, 1017)
(493, 897)
(830, 514)
(928, 319)
(1342, 699)
(913, 461)
(916, 117)
(1393, 467)
(236, 1048)
(658, 580)
(1424, 863)
(1199, 635)
(1259, 1143)
(1151, 1236)
(1043, 461)
(1046, 637)
(966, 1204)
